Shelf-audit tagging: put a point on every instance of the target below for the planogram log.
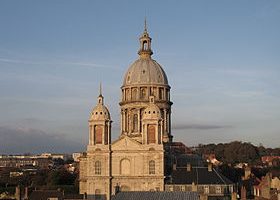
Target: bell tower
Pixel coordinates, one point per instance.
(145, 44)
(95, 166)
(99, 125)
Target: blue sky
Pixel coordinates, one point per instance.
(221, 58)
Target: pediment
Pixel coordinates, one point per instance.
(126, 143)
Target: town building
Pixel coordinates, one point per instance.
(206, 181)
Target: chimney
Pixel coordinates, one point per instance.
(233, 196)
(210, 167)
(194, 187)
(25, 193)
(174, 167)
(17, 194)
(189, 167)
(203, 197)
(243, 193)
(247, 172)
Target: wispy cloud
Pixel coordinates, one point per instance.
(245, 94)
(57, 63)
(199, 126)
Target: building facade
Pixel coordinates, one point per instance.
(136, 161)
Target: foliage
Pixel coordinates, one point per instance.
(60, 177)
(234, 152)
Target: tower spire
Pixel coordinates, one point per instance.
(145, 25)
(100, 97)
(100, 89)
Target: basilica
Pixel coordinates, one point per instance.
(136, 160)
(141, 159)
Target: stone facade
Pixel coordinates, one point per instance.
(136, 160)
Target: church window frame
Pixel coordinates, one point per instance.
(160, 93)
(151, 134)
(125, 166)
(145, 45)
(97, 167)
(143, 93)
(135, 123)
(134, 94)
(98, 134)
(152, 167)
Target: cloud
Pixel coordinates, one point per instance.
(25, 140)
(74, 63)
(198, 126)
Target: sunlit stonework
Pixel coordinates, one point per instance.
(136, 160)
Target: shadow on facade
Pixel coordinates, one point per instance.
(96, 196)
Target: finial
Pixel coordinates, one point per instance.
(100, 89)
(145, 25)
(100, 97)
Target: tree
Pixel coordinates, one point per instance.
(60, 177)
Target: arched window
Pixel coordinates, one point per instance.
(143, 93)
(125, 167)
(134, 94)
(97, 167)
(160, 93)
(145, 45)
(127, 94)
(151, 134)
(135, 123)
(152, 167)
(98, 134)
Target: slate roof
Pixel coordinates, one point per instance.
(159, 195)
(199, 175)
(194, 160)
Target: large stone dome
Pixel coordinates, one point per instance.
(145, 71)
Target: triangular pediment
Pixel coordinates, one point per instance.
(126, 143)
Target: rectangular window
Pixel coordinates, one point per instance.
(218, 189)
(206, 189)
(160, 94)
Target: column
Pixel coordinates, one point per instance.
(93, 134)
(169, 116)
(161, 131)
(90, 134)
(165, 121)
(139, 116)
(124, 120)
(156, 134)
(109, 132)
(168, 122)
(103, 132)
(122, 126)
